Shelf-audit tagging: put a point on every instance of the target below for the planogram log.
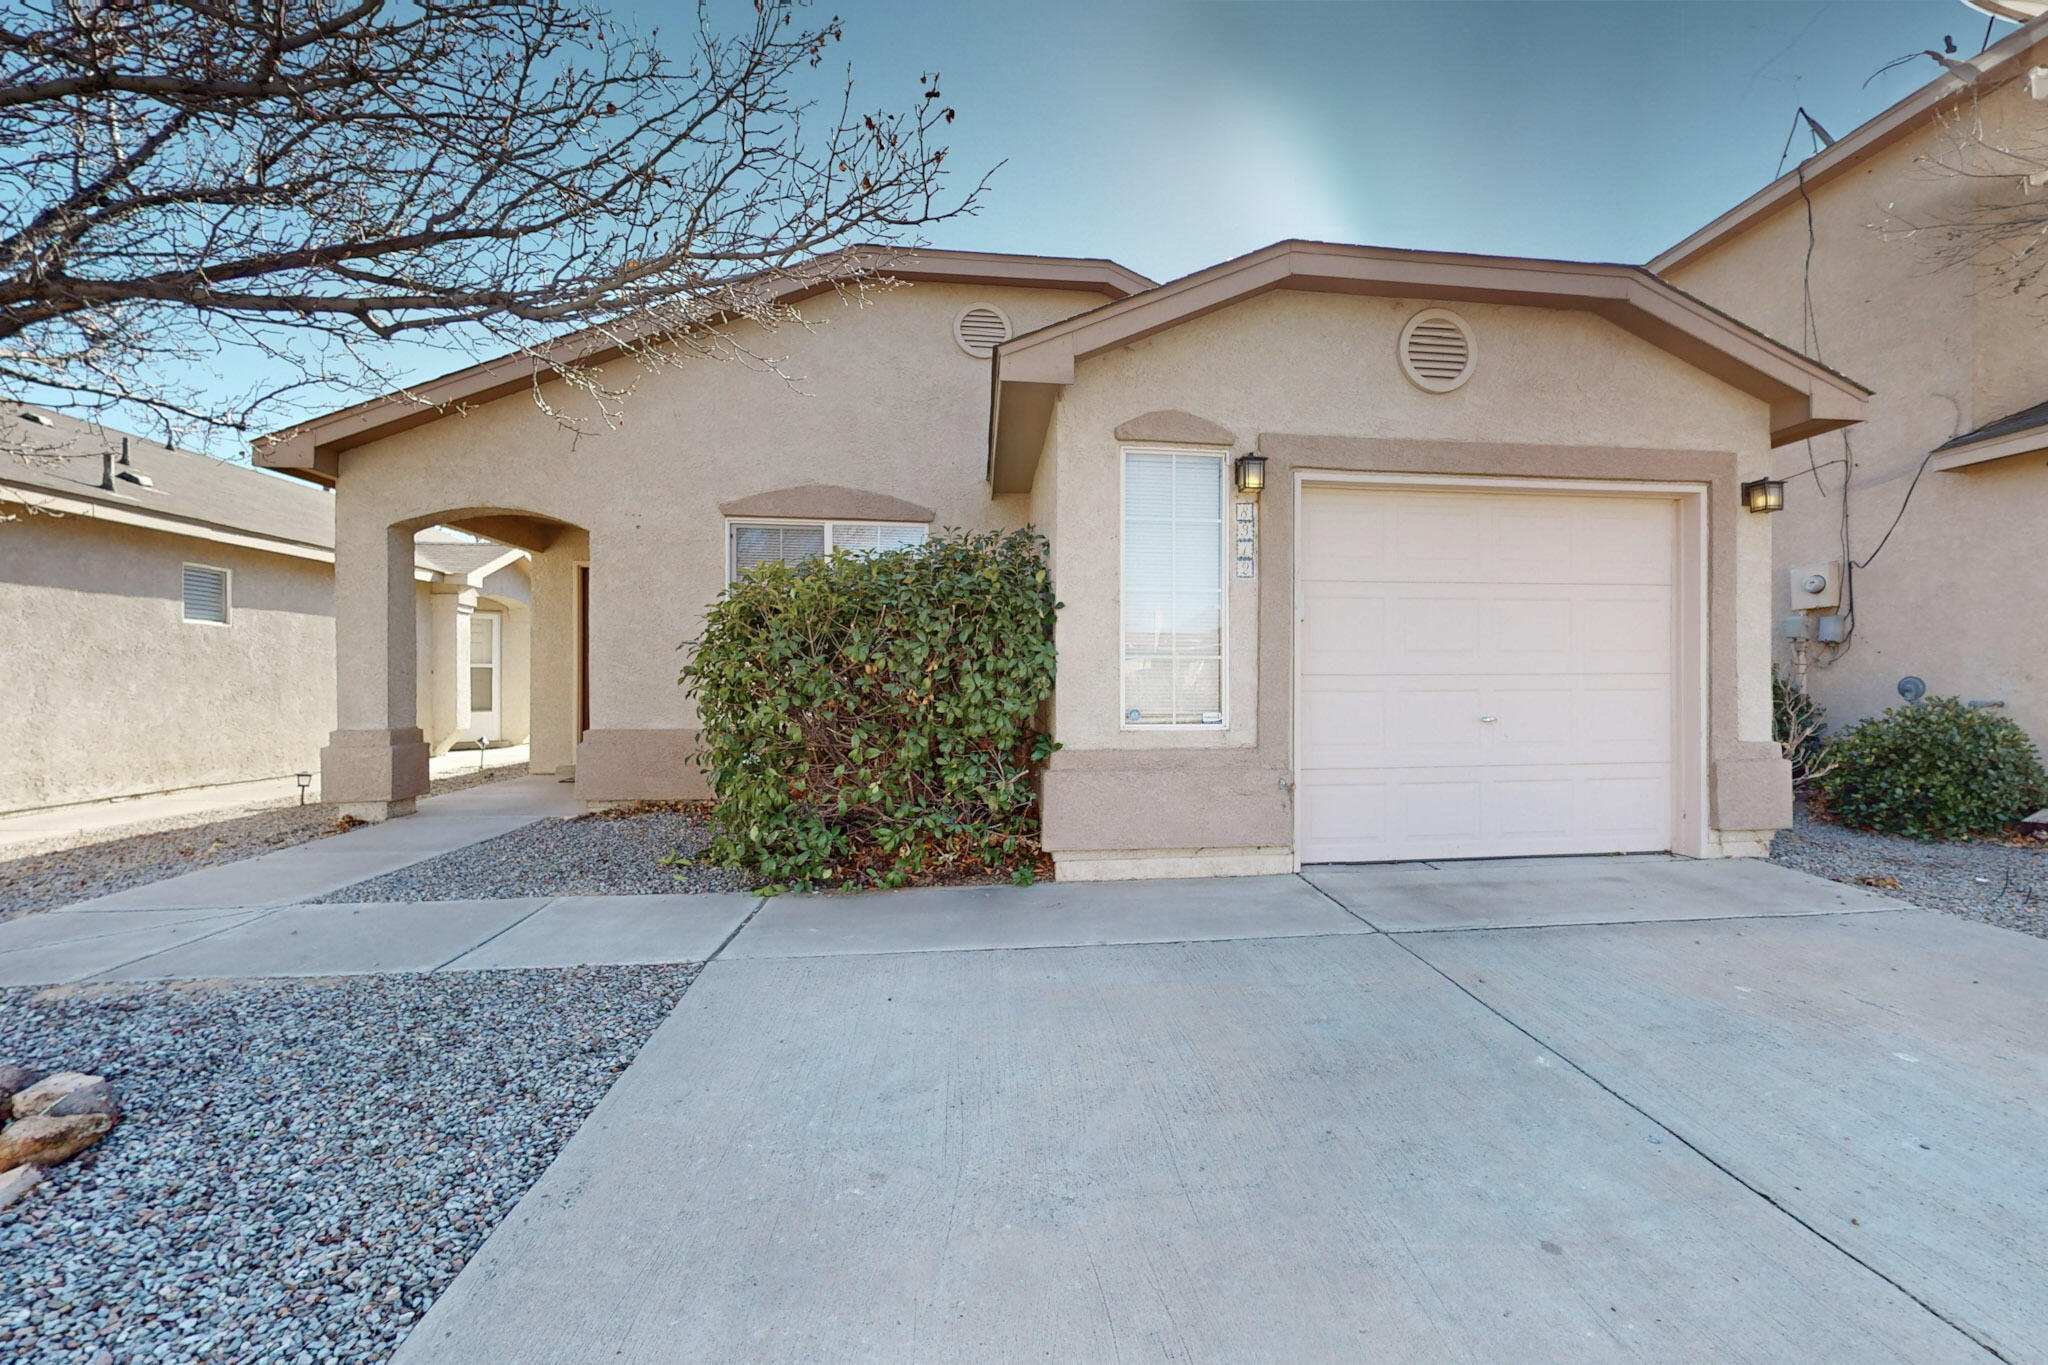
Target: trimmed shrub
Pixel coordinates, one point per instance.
(1934, 769)
(868, 718)
(1800, 725)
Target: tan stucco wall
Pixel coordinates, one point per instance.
(1288, 366)
(1953, 596)
(109, 692)
(877, 397)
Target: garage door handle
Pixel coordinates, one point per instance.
(1487, 720)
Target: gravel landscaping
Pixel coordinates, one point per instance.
(304, 1165)
(607, 853)
(141, 854)
(2002, 884)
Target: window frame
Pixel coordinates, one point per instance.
(227, 594)
(1224, 533)
(827, 524)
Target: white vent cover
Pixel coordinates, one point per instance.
(206, 594)
(980, 329)
(1437, 350)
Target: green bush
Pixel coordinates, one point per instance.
(1934, 769)
(868, 719)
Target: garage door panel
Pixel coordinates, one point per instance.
(1617, 632)
(1392, 814)
(1344, 633)
(1551, 614)
(1344, 726)
(1624, 722)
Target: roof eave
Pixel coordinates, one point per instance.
(1805, 398)
(1972, 454)
(309, 451)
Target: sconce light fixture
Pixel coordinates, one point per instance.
(1251, 473)
(1764, 495)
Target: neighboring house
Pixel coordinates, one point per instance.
(1930, 538)
(1499, 594)
(167, 619)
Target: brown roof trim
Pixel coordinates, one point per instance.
(309, 449)
(2004, 61)
(1806, 397)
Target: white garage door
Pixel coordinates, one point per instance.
(1484, 674)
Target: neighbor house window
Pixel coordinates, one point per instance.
(791, 542)
(1173, 589)
(206, 594)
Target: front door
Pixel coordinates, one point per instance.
(485, 629)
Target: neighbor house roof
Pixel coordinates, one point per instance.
(71, 464)
(68, 464)
(1805, 397)
(2005, 60)
(472, 560)
(2021, 433)
(308, 450)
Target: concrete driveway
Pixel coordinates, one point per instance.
(1547, 1110)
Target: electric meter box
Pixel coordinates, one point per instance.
(1815, 587)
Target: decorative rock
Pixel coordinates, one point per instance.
(44, 1095)
(2037, 823)
(44, 1141)
(13, 1078)
(18, 1182)
(96, 1098)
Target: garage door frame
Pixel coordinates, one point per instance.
(1690, 647)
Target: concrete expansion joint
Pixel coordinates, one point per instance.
(471, 948)
(759, 901)
(233, 922)
(1399, 941)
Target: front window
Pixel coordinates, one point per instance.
(1173, 589)
(749, 543)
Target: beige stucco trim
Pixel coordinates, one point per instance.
(826, 502)
(57, 505)
(1689, 645)
(1805, 397)
(2005, 60)
(1135, 864)
(1175, 428)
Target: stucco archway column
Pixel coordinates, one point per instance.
(375, 764)
(450, 609)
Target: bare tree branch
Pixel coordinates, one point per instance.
(189, 183)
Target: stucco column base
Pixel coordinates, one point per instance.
(374, 774)
(613, 766)
(1752, 789)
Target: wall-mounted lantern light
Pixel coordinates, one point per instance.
(1764, 495)
(1251, 473)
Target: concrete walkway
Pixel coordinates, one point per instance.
(1571, 1109)
(97, 821)
(302, 871)
(1798, 1123)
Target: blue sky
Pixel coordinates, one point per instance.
(1172, 135)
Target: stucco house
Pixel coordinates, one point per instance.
(167, 621)
(1911, 546)
(1364, 554)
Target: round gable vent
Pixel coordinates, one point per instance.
(1437, 350)
(980, 329)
